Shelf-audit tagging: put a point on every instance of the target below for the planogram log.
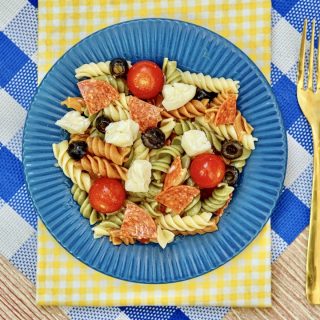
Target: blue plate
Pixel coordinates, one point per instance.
(198, 50)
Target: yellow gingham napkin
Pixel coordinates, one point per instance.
(62, 279)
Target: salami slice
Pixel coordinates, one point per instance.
(144, 113)
(177, 198)
(97, 94)
(175, 174)
(137, 223)
(226, 113)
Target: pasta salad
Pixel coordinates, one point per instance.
(153, 152)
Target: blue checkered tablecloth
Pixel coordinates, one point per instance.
(18, 81)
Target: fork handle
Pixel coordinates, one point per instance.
(313, 253)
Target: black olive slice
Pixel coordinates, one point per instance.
(153, 138)
(231, 150)
(77, 149)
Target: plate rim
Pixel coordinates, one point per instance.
(274, 102)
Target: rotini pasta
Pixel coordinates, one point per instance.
(67, 164)
(218, 199)
(118, 83)
(101, 167)
(162, 158)
(117, 238)
(155, 187)
(194, 207)
(240, 162)
(192, 109)
(164, 237)
(139, 151)
(220, 99)
(90, 70)
(111, 222)
(78, 137)
(98, 147)
(210, 228)
(170, 71)
(187, 223)
(81, 197)
(167, 126)
(208, 83)
(240, 131)
(118, 110)
(156, 145)
(151, 208)
(76, 103)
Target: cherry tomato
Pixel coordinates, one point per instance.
(207, 170)
(107, 195)
(145, 79)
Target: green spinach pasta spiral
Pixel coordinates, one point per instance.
(170, 71)
(209, 84)
(185, 125)
(111, 222)
(161, 159)
(118, 83)
(194, 207)
(151, 208)
(187, 223)
(81, 197)
(218, 199)
(155, 187)
(240, 162)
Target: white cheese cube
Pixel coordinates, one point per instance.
(122, 133)
(177, 94)
(139, 176)
(74, 122)
(195, 142)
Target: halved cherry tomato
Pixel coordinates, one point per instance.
(145, 79)
(107, 195)
(207, 170)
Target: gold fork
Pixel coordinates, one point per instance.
(309, 101)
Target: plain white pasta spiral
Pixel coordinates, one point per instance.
(118, 110)
(167, 126)
(66, 163)
(92, 69)
(187, 223)
(210, 84)
(248, 141)
(164, 237)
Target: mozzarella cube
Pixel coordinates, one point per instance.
(139, 176)
(122, 133)
(177, 94)
(74, 122)
(195, 142)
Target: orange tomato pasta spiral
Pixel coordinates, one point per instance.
(98, 147)
(192, 109)
(117, 238)
(101, 167)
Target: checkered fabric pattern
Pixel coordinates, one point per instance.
(244, 281)
(18, 79)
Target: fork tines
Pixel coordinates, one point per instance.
(311, 58)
